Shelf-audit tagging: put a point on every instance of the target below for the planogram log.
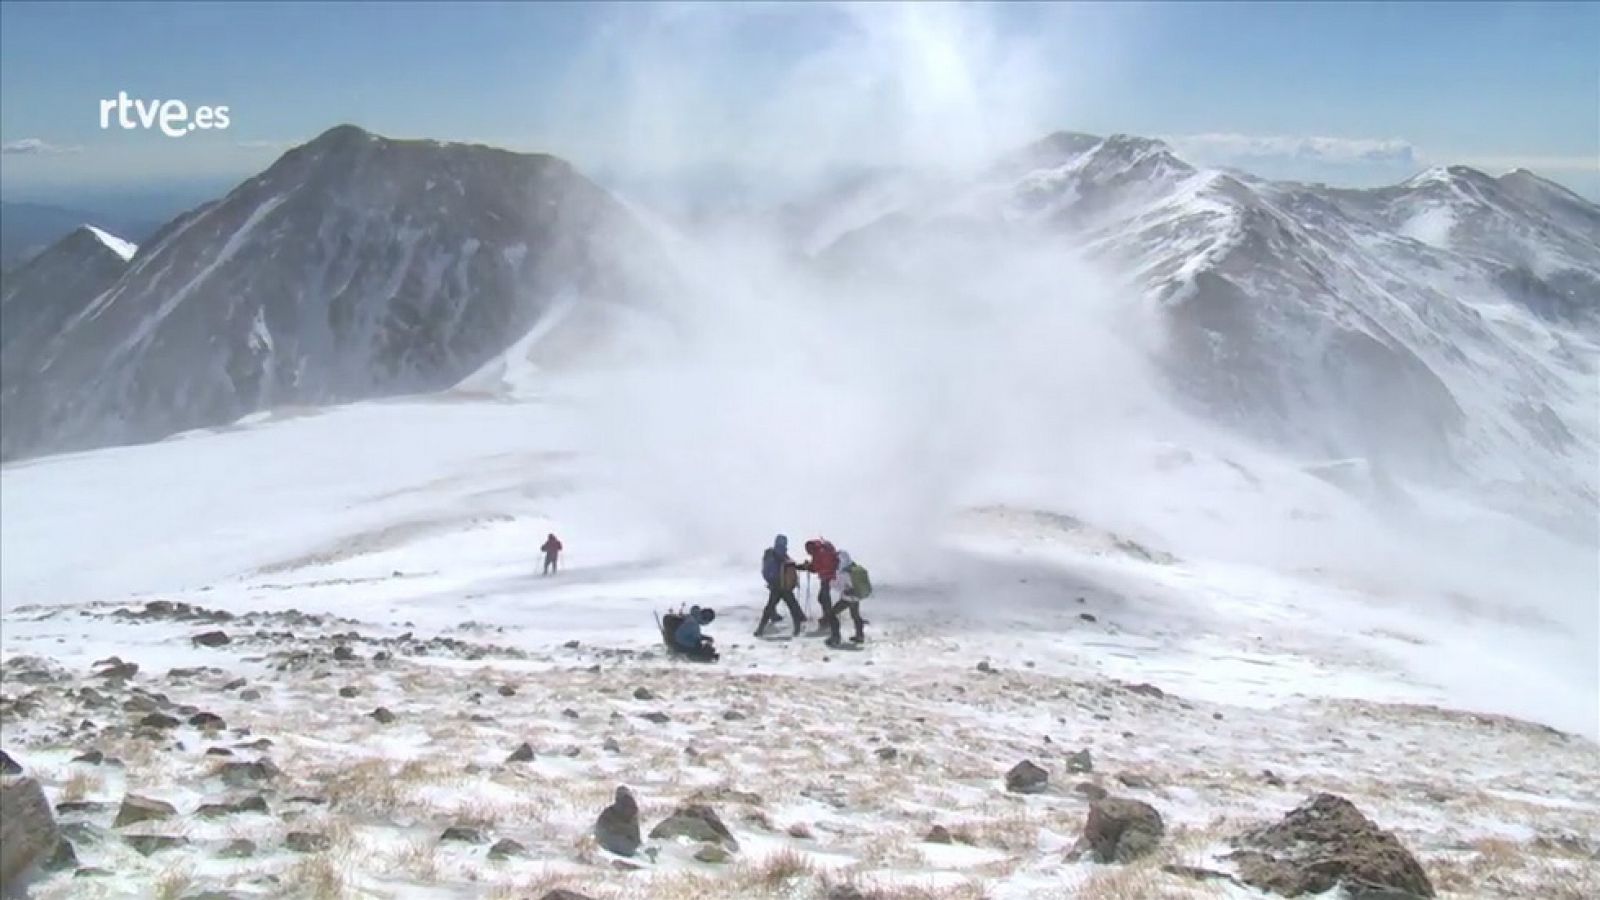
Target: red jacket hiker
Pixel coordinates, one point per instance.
(824, 559)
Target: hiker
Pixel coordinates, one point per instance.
(824, 561)
(855, 586)
(688, 640)
(779, 572)
(552, 550)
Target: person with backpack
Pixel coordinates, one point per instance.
(824, 561)
(779, 572)
(687, 639)
(552, 550)
(855, 585)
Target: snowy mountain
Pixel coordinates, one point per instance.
(355, 266)
(1442, 327)
(40, 296)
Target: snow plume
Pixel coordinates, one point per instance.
(814, 396)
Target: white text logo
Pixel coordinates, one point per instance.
(171, 116)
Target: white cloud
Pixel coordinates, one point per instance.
(35, 147)
(1246, 148)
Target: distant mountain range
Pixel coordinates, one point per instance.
(1448, 323)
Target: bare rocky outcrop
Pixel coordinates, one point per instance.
(617, 827)
(27, 828)
(1119, 830)
(697, 822)
(1325, 843)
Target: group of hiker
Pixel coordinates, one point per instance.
(832, 567)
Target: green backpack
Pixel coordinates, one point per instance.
(860, 582)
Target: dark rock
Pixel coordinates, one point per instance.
(888, 754)
(218, 751)
(985, 668)
(64, 857)
(506, 690)
(382, 716)
(1080, 763)
(307, 842)
(212, 639)
(117, 670)
(1272, 779)
(733, 715)
(160, 721)
(148, 844)
(1324, 843)
(617, 828)
(643, 693)
(248, 774)
(91, 872)
(255, 803)
(1087, 617)
(523, 753)
(1199, 874)
(1091, 790)
(460, 834)
(697, 822)
(250, 695)
(87, 807)
(1135, 781)
(1027, 778)
(207, 721)
(714, 854)
(1120, 831)
(348, 692)
(1147, 690)
(9, 766)
(237, 849)
(571, 645)
(93, 758)
(659, 718)
(938, 834)
(257, 744)
(342, 653)
(611, 746)
(563, 893)
(505, 848)
(136, 809)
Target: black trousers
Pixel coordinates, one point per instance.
(706, 652)
(776, 593)
(549, 563)
(846, 603)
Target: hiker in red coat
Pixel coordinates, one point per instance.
(824, 562)
(552, 550)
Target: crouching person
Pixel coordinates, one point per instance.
(688, 640)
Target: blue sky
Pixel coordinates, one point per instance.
(645, 90)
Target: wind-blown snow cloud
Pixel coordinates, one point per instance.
(1246, 148)
(36, 147)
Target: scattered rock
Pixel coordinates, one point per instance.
(235, 684)
(733, 715)
(562, 893)
(136, 809)
(307, 842)
(382, 716)
(617, 827)
(148, 844)
(1135, 781)
(211, 639)
(9, 766)
(349, 691)
(1027, 778)
(505, 848)
(1146, 690)
(659, 718)
(248, 774)
(27, 829)
(1119, 830)
(569, 713)
(507, 690)
(1324, 843)
(888, 754)
(643, 693)
(250, 695)
(1198, 874)
(938, 834)
(712, 853)
(460, 834)
(238, 849)
(65, 857)
(117, 670)
(697, 822)
(255, 803)
(1087, 617)
(611, 746)
(523, 753)
(1272, 779)
(207, 721)
(572, 645)
(87, 807)
(160, 721)
(1080, 763)
(800, 831)
(985, 668)
(93, 758)
(1091, 790)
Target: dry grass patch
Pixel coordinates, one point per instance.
(173, 882)
(317, 877)
(79, 785)
(773, 872)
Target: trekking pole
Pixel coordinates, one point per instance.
(809, 609)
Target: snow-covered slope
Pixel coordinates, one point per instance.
(1446, 328)
(355, 266)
